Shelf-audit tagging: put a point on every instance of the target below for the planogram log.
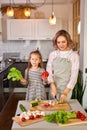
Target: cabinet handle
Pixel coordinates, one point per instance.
(48, 38)
(5, 79)
(20, 38)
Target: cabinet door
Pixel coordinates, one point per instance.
(45, 31)
(18, 29)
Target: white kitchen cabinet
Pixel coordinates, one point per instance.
(45, 31)
(29, 29)
(17, 29)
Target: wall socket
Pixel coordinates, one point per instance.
(38, 45)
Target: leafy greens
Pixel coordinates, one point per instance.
(14, 74)
(60, 116)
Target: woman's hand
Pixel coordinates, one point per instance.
(54, 90)
(63, 98)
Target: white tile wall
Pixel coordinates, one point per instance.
(25, 47)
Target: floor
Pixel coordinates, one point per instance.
(9, 111)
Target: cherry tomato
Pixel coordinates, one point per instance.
(31, 117)
(80, 115)
(38, 116)
(23, 119)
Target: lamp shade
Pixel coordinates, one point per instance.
(27, 11)
(52, 19)
(10, 12)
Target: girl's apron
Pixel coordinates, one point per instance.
(61, 75)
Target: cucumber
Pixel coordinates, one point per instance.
(33, 104)
(23, 109)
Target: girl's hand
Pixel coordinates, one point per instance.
(23, 81)
(45, 79)
(63, 98)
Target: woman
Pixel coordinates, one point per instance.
(63, 67)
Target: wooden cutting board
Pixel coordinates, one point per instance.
(27, 122)
(56, 106)
(74, 122)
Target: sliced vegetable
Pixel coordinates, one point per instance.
(23, 109)
(14, 74)
(33, 104)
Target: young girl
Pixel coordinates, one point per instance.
(33, 79)
(63, 66)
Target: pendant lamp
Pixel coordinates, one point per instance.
(52, 18)
(27, 10)
(10, 10)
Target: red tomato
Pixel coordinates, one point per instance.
(31, 117)
(38, 116)
(45, 74)
(81, 116)
(23, 119)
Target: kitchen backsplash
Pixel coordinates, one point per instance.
(25, 47)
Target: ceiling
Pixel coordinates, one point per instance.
(36, 1)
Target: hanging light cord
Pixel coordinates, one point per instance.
(52, 6)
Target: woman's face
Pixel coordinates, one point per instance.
(62, 43)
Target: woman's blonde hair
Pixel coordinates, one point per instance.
(64, 34)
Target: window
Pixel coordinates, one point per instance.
(76, 20)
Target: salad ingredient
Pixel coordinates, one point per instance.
(38, 116)
(23, 119)
(60, 116)
(33, 104)
(47, 105)
(80, 115)
(31, 117)
(14, 74)
(45, 74)
(23, 109)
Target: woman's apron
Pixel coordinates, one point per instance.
(61, 75)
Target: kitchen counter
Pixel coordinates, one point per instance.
(7, 65)
(43, 125)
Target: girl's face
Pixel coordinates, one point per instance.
(62, 43)
(35, 60)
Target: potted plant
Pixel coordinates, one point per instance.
(79, 90)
